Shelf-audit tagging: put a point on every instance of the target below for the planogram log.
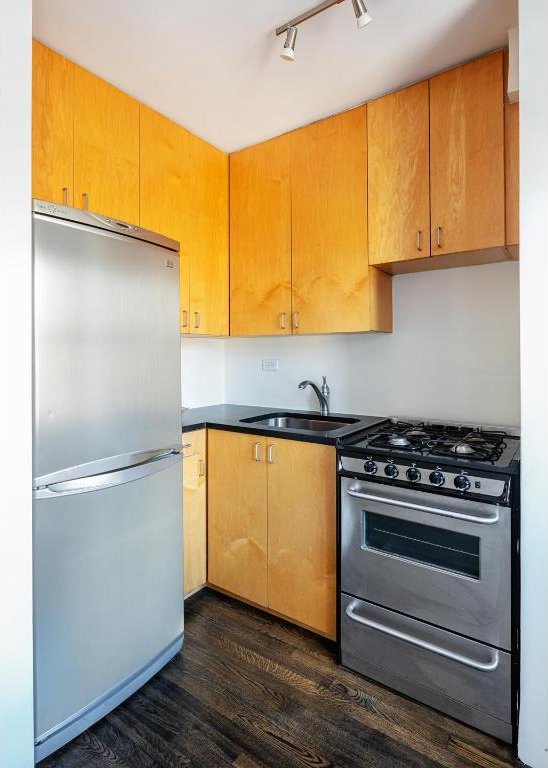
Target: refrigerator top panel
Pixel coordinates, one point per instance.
(106, 347)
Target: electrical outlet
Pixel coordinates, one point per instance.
(270, 365)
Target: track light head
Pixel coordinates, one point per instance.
(362, 16)
(288, 51)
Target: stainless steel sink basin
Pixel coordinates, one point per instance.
(295, 421)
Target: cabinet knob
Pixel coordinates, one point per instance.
(295, 319)
(419, 240)
(85, 197)
(196, 320)
(271, 454)
(185, 318)
(201, 468)
(438, 236)
(281, 320)
(257, 451)
(65, 195)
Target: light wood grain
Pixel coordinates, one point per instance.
(302, 533)
(380, 289)
(52, 125)
(329, 215)
(195, 511)
(260, 239)
(163, 187)
(452, 260)
(511, 136)
(467, 156)
(205, 224)
(237, 515)
(106, 148)
(399, 175)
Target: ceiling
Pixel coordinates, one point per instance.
(213, 65)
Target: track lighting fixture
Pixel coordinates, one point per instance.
(288, 51)
(362, 16)
(290, 28)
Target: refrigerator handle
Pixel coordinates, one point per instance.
(109, 479)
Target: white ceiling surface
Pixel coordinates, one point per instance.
(213, 66)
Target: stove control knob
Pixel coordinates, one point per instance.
(391, 471)
(462, 483)
(437, 478)
(370, 467)
(413, 474)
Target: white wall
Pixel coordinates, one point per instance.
(202, 371)
(533, 736)
(454, 354)
(16, 667)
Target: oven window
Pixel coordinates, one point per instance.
(449, 550)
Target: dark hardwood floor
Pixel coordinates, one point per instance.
(249, 690)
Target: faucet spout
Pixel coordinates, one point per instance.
(322, 399)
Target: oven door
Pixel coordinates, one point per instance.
(437, 558)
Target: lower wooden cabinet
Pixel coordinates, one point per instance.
(272, 525)
(194, 511)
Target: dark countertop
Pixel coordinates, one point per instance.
(228, 417)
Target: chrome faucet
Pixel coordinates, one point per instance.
(322, 395)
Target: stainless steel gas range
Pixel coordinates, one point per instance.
(429, 566)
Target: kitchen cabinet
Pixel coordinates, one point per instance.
(302, 533)
(331, 280)
(260, 239)
(163, 188)
(106, 148)
(272, 526)
(184, 195)
(52, 125)
(511, 135)
(237, 514)
(194, 511)
(467, 157)
(398, 134)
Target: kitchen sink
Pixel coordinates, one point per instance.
(305, 422)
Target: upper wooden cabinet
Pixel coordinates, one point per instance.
(164, 185)
(106, 148)
(511, 118)
(206, 236)
(331, 277)
(260, 239)
(237, 514)
(467, 157)
(52, 126)
(399, 175)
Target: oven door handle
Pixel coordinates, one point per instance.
(481, 666)
(487, 520)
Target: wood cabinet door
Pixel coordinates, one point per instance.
(206, 236)
(260, 239)
(52, 125)
(329, 220)
(398, 137)
(511, 138)
(194, 511)
(164, 188)
(467, 157)
(237, 514)
(106, 148)
(302, 533)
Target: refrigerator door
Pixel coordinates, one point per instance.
(108, 605)
(107, 347)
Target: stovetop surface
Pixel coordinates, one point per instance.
(463, 445)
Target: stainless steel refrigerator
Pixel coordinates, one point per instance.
(108, 605)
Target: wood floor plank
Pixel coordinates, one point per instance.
(251, 691)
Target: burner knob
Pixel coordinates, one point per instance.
(391, 471)
(413, 474)
(370, 467)
(462, 483)
(437, 478)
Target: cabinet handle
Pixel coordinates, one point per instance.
(65, 195)
(187, 445)
(419, 240)
(85, 195)
(185, 318)
(295, 319)
(281, 320)
(196, 320)
(256, 451)
(271, 454)
(438, 236)
(201, 468)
